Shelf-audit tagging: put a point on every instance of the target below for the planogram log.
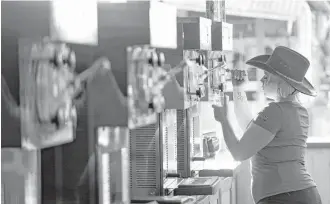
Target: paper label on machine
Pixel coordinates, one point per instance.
(205, 34)
(227, 37)
(163, 31)
(74, 21)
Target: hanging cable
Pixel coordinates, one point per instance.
(10, 102)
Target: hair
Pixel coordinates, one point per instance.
(285, 90)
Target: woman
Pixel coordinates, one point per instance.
(276, 139)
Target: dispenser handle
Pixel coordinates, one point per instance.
(173, 175)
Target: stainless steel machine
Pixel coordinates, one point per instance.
(195, 40)
(196, 43)
(155, 163)
(179, 125)
(177, 122)
(219, 73)
(208, 189)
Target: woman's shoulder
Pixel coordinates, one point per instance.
(290, 105)
(273, 106)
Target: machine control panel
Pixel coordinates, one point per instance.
(49, 87)
(187, 88)
(146, 79)
(195, 75)
(194, 40)
(219, 74)
(197, 40)
(222, 43)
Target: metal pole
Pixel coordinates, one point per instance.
(215, 10)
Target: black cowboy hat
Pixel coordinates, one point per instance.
(287, 64)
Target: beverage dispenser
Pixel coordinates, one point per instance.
(194, 41)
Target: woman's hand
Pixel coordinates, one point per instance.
(221, 112)
(239, 77)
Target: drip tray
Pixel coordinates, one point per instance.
(199, 186)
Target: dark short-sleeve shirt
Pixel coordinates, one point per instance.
(279, 167)
(270, 118)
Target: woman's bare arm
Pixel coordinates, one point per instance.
(242, 109)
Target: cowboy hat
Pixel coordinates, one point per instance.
(287, 64)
